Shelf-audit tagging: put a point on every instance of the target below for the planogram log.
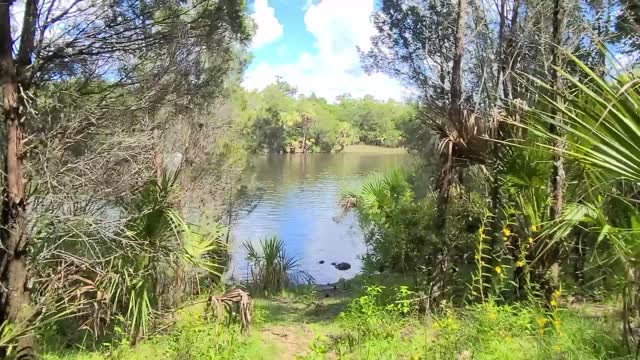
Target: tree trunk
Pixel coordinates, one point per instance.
(496, 181)
(304, 141)
(455, 115)
(558, 175)
(500, 56)
(510, 61)
(444, 182)
(455, 119)
(557, 181)
(14, 298)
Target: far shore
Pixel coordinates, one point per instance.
(373, 149)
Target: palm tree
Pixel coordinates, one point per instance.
(601, 122)
(166, 246)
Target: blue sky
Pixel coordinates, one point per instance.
(312, 45)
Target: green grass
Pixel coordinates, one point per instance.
(512, 335)
(353, 323)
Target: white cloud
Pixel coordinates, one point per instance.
(307, 4)
(338, 27)
(269, 28)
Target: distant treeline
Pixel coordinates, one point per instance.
(279, 120)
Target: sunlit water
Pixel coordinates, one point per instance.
(299, 204)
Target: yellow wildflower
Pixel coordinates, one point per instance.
(492, 316)
(530, 240)
(553, 302)
(499, 269)
(519, 263)
(556, 293)
(534, 228)
(506, 231)
(505, 239)
(541, 321)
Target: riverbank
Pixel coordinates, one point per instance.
(349, 149)
(364, 319)
(372, 149)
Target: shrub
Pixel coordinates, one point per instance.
(272, 270)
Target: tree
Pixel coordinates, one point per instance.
(455, 117)
(557, 180)
(15, 82)
(98, 50)
(414, 43)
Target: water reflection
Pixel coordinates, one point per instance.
(299, 205)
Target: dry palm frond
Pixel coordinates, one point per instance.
(232, 299)
(466, 144)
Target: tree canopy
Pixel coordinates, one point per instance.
(278, 119)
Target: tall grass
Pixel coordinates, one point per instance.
(271, 269)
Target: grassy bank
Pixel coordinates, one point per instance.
(354, 321)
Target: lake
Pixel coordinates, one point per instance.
(299, 203)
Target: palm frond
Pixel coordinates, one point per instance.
(601, 121)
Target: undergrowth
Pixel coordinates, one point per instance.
(192, 337)
(383, 322)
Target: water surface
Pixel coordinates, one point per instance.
(299, 204)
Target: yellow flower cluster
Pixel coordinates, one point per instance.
(541, 323)
(554, 298)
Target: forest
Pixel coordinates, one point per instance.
(514, 233)
(277, 120)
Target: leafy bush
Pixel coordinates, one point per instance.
(399, 231)
(378, 314)
(142, 265)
